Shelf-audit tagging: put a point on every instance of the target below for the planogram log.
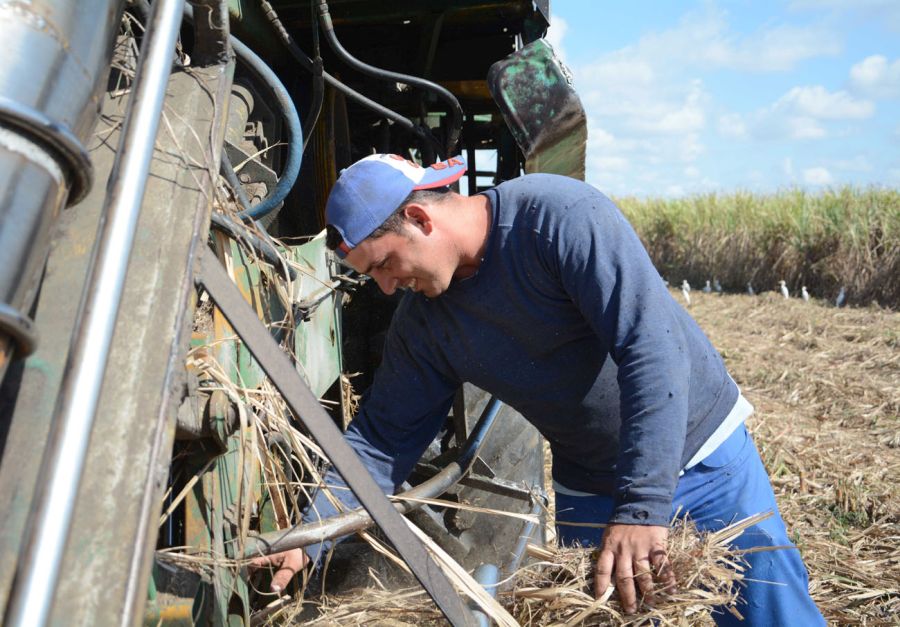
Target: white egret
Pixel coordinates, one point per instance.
(841, 297)
(804, 294)
(686, 291)
(784, 289)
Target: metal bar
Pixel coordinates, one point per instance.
(36, 582)
(501, 487)
(359, 519)
(304, 404)
(528, 529)
(460, 419)
(487, 575)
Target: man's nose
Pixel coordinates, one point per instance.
(386, 283)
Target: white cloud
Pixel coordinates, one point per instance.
(610, 164)
(599, 138)
(801, 128)
(555, 35)
(801, 112)
(817, 176)
(652, 109)
(817, 102)
(704, 39)
(876, 77)
(884, 12)
(691, 148)
(732, 125)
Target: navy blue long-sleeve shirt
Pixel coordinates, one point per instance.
(568, 322)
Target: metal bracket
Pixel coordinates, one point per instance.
(212, 277)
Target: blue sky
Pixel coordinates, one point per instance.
(693, 97)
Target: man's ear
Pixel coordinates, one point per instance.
(419, 216)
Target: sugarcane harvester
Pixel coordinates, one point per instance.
(175, 339)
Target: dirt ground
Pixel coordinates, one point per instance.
(825, 383)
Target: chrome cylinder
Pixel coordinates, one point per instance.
(48, 529)
(54, 61)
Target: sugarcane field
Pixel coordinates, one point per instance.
(449, 312)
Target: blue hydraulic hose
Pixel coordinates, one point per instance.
(295, 133)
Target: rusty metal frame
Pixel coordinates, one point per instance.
(212, 277)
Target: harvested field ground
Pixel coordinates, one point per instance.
(826, 386)
(825, 383)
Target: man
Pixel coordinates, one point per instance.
(539, 292)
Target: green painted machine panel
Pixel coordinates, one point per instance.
(317, 341)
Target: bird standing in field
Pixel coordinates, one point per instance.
(750, 289)
(804, 294)
(784, 289)
(686, 291)
(841, 297)
(717, 286)
(707, 289)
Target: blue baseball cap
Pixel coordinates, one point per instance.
(371, 189)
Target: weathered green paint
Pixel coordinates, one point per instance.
(212, 510)
(541, 109)
(317, 341)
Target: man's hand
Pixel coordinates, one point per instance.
(632, 553)
(286, 563)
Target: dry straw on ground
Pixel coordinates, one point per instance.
(555, 588)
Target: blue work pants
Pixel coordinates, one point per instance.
(729, 485)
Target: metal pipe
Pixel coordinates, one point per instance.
(49, 104)
(479, 432)
(35, 585)
(487, 575)
(51, 93)
(359, 519)
(528, 528)
(456, 112)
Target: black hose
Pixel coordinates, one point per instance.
(228, 172)
(309, 65)
(318, 96)
(263, 248)
(456, 111)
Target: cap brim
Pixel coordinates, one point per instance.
(436, 176)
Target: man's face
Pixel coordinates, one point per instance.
(409, 260)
